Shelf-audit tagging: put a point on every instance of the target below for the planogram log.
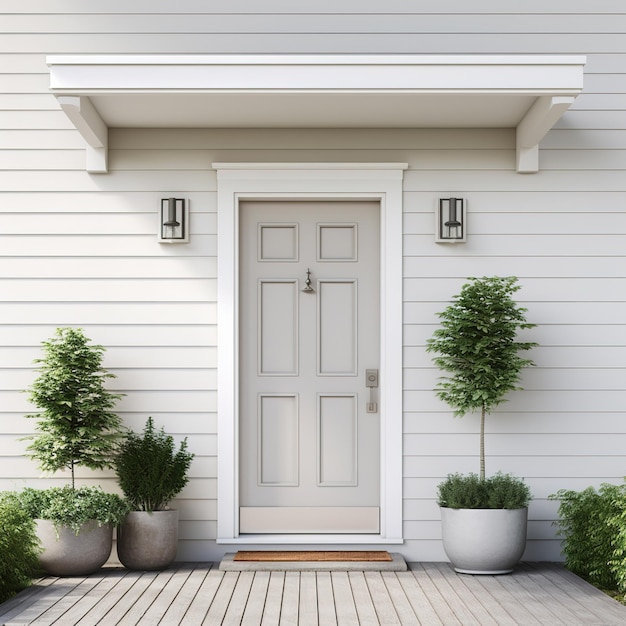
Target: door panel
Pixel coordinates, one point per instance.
(308, 520)
(337, 440)
(337, 327)
(309, 450)
(278, 440)
(278, 327)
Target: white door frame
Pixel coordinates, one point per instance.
(305, 181)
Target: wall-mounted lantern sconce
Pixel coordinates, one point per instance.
(451, 220)
(174, 220)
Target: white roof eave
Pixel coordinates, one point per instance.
(528, 93)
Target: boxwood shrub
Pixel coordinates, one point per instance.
(470, 491)
(592, 524)
(19, 547)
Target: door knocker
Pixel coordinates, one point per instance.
(307, 283)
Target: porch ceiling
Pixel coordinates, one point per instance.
(528, 93)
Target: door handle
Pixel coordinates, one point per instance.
(371, 381)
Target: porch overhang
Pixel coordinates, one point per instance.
(528, 93)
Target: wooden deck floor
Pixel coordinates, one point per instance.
(429, 593)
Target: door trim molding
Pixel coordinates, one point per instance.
(238, 182)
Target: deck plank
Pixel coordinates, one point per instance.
(422, 608)
(438, 601)
(169, 589)
(177, 610)
(67, 602)
(516, 605)
(221, 600)
(253, 614)
(129, 587)
(202, 601)
(308, 614)
(133, 606)
(429, 593)
(291, 599)
(239, 599)
(57, 591)
(481, 597)
(90, 595)
(383, 604)
(326, 600)
(363, 603)
(552, 600)
(539, 611)
(583, 597)
(344, 600)
(274, 599)
(449, 589)
(462, 587)
(401, 604)
(18, 603)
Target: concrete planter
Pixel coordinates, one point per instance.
(484, 541)
(148, 541)
(68, 554)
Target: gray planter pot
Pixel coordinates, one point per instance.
(148, 541)
(484, 541)
(67, 554)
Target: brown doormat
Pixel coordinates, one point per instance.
(312, 555)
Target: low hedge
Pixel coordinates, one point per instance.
(469, 491)
(593, 527)
(19, 547)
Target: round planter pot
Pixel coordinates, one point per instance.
(67, 554)
(148, 541)
(484, 541)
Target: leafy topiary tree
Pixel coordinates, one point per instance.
(477, 345)
(77, 425)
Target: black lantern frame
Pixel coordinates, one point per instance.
(174, 220)
(451, 220)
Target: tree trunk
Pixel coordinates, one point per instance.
(482, 444)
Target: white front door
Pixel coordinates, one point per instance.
(309, 311)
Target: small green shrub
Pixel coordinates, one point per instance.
(149, 468)
(593, 526)
(19, 547)
(73, 507)
(469, 491)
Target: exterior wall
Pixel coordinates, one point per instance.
(80, 249)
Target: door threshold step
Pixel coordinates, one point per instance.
(396, 564)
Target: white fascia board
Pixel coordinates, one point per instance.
(345, 73)
(554, 80)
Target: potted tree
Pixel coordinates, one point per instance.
(483, 518)
(151, 472)
(76, 427)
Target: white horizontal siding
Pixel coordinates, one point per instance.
(314, 43)
(81, 250)
(358, 21)
(332, 7)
